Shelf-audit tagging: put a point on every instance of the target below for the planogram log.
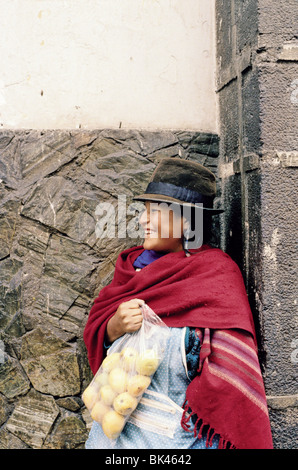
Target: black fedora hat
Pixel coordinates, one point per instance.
(176, 180)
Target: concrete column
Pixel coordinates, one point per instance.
(257, 85)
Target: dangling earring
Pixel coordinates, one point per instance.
(185, 240)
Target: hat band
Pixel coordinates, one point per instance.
(177, 192)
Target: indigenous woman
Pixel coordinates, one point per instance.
(208, 391)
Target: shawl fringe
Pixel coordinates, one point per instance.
(201, 425)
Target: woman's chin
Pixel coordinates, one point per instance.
(154, 244)
(160, 245)
(151, 244)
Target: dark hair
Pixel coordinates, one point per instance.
(192, 216)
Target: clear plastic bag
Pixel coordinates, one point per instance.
(126, 373)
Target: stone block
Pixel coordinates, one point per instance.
(253, 251)
(289, 51)
(284, 428)
(9, 441)
(10, 169)
(278, 108)
(43, 153)
(224, 34)
(38, 343)
(282, 402)
(69, 403)
(70, 433)
(4, 410)
(246, 20)
(13, 381)
(54, 374)
(10, 291)
(66, 262)
(277, 22)
(229, 121)
(33, 418)
(50, 363)
(279, 206)
(53, 300)
(250, 100)
(203, 143)
(63, 205)
(9, 210)
(231, 220)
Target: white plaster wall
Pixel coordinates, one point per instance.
(107, 63)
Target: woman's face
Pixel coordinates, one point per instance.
(163, 227)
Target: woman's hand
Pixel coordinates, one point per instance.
(127, 319)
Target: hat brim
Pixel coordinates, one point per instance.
(162, 198)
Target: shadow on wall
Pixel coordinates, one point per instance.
(237, 232)
(52, 265)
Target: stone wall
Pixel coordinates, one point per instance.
(257, 55)
(52, 265)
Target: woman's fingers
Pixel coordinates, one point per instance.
(132, 307)
(127, 319)
(134, 303)
(130, 315)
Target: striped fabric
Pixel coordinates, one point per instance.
(229, 384)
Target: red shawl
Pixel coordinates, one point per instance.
(205, 290)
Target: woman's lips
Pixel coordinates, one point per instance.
(149, 233)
